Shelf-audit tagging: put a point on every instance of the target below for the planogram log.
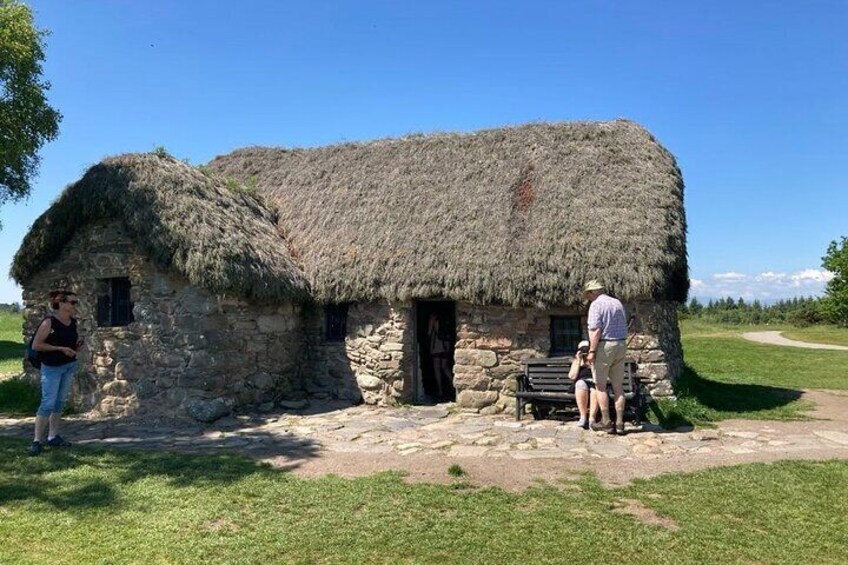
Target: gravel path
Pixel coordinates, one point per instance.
(774, 338)
(423, 441)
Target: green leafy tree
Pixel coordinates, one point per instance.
(26, 119)
(834, 306)
(695, 307)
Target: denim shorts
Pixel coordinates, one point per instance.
(55, 387)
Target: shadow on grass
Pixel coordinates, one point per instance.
(11, 351)
(737, 398)
(85, 477)
(88, 494)
(18, 397)
(702, 401)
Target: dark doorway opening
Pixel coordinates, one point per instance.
(435, 342)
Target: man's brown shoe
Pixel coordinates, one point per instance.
(602, 427)
(619, 429)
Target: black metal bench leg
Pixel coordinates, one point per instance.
(519, 409)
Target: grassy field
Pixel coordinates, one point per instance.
(719, 354)
(16, 397)
(819, 334)
(729, 377)
(99, 506)
(813, 334)
(11, 343)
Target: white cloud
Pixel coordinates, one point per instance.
(730, 276)
(768, 285)
(817, 275)
(770, 276)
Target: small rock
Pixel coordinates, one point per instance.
(208, 410)
(705, 435)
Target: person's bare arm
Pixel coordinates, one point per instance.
(575, 367)
(594, 341)
(39, 344)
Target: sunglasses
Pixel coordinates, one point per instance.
(72, 302)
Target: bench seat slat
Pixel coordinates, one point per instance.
(546, 395)
(541, 370)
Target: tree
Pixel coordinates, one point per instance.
(834, 306)
(695, 307)
(26, 119)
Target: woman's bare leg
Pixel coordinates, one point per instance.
(593, 406)
(582, 397)
(40, 426)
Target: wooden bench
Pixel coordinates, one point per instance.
(544, 383)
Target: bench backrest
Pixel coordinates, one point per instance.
(551, 375)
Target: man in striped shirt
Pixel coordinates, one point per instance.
(607, 349)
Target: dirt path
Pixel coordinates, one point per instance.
(424, 441)
(652, 453)
(775, 338)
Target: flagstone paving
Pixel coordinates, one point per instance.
(444, 430)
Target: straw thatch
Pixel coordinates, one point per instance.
(185, 221)
(520, 216)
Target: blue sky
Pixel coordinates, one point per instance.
(749, 96)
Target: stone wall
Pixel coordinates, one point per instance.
(492, 341)
(374, 361)
(186, 351)
(656, 345)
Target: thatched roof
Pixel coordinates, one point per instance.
(184, 220)
(521, 215)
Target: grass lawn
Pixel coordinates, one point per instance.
(11, 343)
(16, 397)
(819, 334)
(729, 377)
(719, 354)
(97, 506)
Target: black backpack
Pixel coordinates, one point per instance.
(31, 354)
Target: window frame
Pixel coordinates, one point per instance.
(114, 302)
(575, 319)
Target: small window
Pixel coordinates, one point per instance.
(565, 335)
(114, 307)
(335, 322)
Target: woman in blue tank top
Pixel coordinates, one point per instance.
(57, 343)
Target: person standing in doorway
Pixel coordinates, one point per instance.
(440, 351)
(57, 343)
(607, 350)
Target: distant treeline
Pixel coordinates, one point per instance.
(14, 307)
(795, 311)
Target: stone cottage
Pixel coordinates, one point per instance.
(285, 274)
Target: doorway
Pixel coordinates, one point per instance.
(435, 331)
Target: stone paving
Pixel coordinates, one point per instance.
(444, 430)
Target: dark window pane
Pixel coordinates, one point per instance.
(121, 305)
(114, 307)
(335, 322)
(565, 335)
(104, 310)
